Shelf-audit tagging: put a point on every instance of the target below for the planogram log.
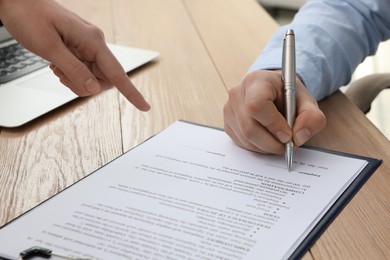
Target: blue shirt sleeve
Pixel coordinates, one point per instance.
(332, 38)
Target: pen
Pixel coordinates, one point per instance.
(288, 78)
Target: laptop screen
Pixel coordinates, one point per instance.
(4, 35)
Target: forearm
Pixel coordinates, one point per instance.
(332, 39)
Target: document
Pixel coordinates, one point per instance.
(188, 193)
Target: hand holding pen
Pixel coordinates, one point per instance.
(255, 118)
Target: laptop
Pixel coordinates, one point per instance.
(29, 89)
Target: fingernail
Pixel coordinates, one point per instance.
(147, 107)
(302, 136)
(92, 86)
(283, 137)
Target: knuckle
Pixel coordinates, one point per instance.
(273, 126)
(250, 78)
(95, 32)
(99, 33)
(253, 107)
(74, 65)
(233, 93)
(248, 131)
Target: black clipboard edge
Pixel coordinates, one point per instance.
(340, 203)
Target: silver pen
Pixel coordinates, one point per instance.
(288, 77)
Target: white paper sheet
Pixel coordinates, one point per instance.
(187, 193)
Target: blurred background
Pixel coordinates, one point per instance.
(284, 11)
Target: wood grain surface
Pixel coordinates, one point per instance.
(205, 48)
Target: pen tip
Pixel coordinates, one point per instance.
(289, 157)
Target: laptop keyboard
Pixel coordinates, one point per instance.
(16, 61)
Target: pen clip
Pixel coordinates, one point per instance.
(283, 58)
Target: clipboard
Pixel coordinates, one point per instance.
(309, 240)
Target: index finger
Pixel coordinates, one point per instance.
(114, 72)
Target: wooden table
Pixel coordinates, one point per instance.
(206, 47)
